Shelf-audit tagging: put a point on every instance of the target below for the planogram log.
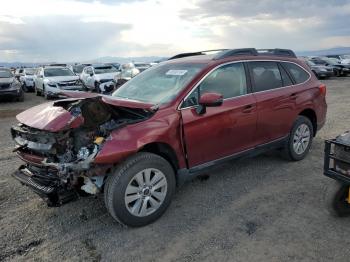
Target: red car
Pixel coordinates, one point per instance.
(166, 125)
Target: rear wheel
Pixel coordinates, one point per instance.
(140, 190)
(300, 139)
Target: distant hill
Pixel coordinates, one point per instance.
(331, 51)
(147, 59)
(123, 60)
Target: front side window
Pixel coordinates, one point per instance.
(299, 74)
(265, 75)
(228, 80)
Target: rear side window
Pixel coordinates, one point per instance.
(299, 74)
(265, 75)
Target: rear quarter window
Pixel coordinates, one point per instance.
(299, 74)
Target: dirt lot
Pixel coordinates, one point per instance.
(258, 209)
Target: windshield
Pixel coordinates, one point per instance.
(345, 56)
(58, 72)
(159, 84)
(310, 63)
(30, 71)
(105, 69)
(5, 73)
(78, 69)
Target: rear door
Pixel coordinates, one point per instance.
(224, 130)
(276, 100)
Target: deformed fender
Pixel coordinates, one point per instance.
(130, 139)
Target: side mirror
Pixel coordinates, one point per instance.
(209, 100)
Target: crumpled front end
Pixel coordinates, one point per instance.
(60, 149)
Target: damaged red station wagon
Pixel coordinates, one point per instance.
(166, 126)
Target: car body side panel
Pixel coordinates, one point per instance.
(163, 127)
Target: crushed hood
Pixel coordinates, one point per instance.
(54, 118)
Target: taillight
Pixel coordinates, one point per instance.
(323, 89)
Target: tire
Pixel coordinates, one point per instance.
(21, 97)
(37, 92)
(25, 88)
(118, 202)
(97, 88)
(335, 197)
(292, 151)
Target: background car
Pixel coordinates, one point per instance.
(339, 69)
(77, 68)
(142, 66)
(128, 71)
(344, 59)
(99, 77)
(26, 77)
(10, 87)
(321, 71)
(50, 81)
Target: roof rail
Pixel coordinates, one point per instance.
(241, 51)
(195, 53)
(236, 52)
(277, 52)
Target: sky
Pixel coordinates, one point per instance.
(81, 30)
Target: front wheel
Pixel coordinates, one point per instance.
(300, 139)
(140, 190)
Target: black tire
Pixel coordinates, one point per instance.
(97, 88)
(116, 184)
(21, 97)
(335, 197)
(24, 87)
(289, 151)
(336, 73)
(37, 92)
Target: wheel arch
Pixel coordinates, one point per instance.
(164, 150)
(311, 115)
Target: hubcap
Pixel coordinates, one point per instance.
(146, 192)
(301, 139)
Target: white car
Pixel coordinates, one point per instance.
(50, 81)
(127, 72)
(99, 77)
(26, 77)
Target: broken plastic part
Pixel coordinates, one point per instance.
(92, 185)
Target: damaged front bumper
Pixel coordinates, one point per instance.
(47, 187)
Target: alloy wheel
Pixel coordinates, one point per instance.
(301, 139)
(146, 192)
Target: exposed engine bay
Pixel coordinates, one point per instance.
(60, 164)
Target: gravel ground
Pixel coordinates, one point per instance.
(257, 209)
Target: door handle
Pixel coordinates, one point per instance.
(248, 109)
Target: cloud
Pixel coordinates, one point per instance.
(59, 38)
(79, 30)
(296, 24)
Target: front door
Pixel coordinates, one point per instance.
(224, 130)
